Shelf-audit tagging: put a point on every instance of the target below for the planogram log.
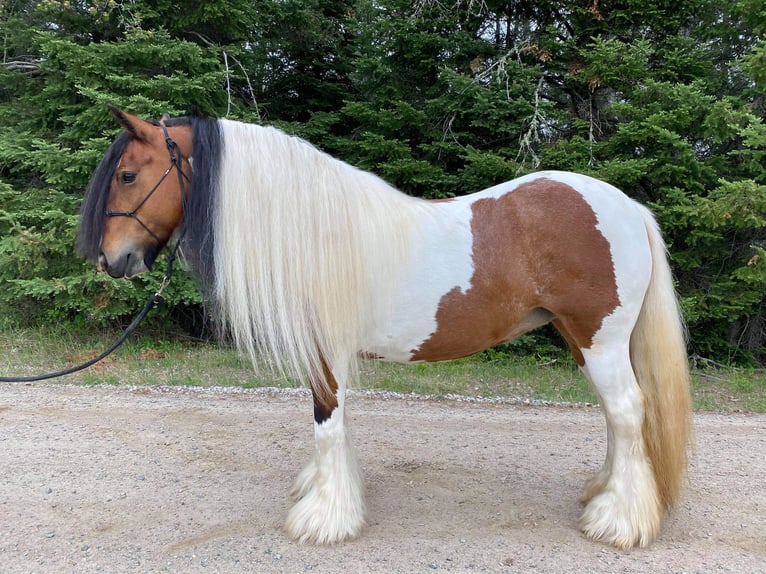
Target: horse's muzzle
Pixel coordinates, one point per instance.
(125, 265)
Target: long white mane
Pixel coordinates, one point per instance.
(303, 241)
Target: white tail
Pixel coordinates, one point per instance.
(658, 356)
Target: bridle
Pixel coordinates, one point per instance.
(176, 161)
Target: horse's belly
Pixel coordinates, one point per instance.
(407, 321)
(405, 342)
(399, 338)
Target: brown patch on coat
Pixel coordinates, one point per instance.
(325, 396)
(538, 257)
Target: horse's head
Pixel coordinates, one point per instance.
(135, 199)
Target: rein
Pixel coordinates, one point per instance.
(156, 298)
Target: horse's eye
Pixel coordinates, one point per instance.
(127, 177)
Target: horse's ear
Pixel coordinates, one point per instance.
(138, 128)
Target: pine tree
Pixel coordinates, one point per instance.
(664, 100)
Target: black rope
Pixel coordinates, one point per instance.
(150, 304)
(155, 299)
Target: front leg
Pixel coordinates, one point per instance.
(329, 492)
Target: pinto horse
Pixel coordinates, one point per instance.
(313, 264)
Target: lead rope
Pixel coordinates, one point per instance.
(153, 301)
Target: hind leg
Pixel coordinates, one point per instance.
(622, 502)
(329, 492)
(596, 483)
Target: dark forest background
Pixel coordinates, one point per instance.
(664, 99)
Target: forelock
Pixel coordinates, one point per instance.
(93, 208)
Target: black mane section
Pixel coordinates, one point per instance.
(93, 208)
(199, 217)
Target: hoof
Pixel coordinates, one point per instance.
(611, 520)
(321, 519)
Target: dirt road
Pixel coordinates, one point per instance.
(114, 479)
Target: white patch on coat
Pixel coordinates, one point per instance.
(440, 260)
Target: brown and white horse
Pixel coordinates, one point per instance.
(314, 263)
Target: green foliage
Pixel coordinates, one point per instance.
(664, 100)
(719, 256)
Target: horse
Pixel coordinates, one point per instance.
(315, 264)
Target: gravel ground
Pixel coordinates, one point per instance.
(118, 479)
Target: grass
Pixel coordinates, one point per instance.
(166, 359)
(553, 381)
